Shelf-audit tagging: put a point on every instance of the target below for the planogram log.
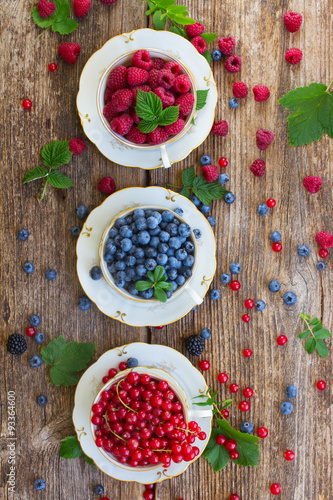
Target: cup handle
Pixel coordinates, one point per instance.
(200, 413)
(193, 294)
(165, 157)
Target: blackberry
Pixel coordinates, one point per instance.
(195, 345)
(16, 344)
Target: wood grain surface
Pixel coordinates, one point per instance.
(241, 234)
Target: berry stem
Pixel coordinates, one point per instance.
(177, 187)
(105, 416)
(43, 192)
(328, 88)
(122, 402)
(42, 33)
(309, 327)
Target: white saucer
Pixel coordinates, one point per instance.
(150, 356)
(112, 303)
(93, 127)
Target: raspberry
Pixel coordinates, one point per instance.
(106, 185)
(143, 88)
(240, 90)
(194, 29)
(135, 117)
(185, 102)
(264, 138)
(261, 93)
(158, 63)
(227, 45)
(134, 135)
(81, 7)
(182, 84)
(46, 9)
(210, 172)
(165, 78)
(293, 21)
(69, 52)
(153, 78)
(200, 44)
(118, 78)
(122, 99)
(293, 56)
(122, 124)
(233, 64)
(108, 95)
(258, 168)
(176, 127)
(174, 67)
(136, 76)
(157, 136)
(108, 2)
(166, 96)
(324, 240)
(312, 183)
(141, 59)
(77, 146)
(109, 111)
(220, 128)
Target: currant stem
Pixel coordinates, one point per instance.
(105, 416)
(307, 323)
(122, 402)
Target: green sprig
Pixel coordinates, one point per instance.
(314, 334)
(71, 448)
(59, 21)
(149, 108)
(211, 401)
(156, 281)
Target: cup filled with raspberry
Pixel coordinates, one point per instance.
(140, 419)
(147, 99)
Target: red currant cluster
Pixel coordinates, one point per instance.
(140, 421)
(149, 493)
(229, 444)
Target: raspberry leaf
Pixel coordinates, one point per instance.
(209, 37)
(207, 56)
(35, 173)
(65, 26)
(148, 106)
(59, 180)
(145, 126)
(56, 153)
(216, 455)
(185, 192)
(168, 115)
(201, 99)
(207, 191)
(59, 21)
(43, 22)
(188, 176)
(88, 459)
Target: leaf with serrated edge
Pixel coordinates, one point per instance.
(168, 116)
(65, 26)
(185, 192)
(76, 355)
(59, 180)
(88, 459)
(158, 273)
(148, 106)
(53, 351)
(35, 173)
(158, 22)
(70, 447)
(145, 126)
(209, 37)
(322, 348)
(203, 196)
(56, 153)
(160, 295)
(217, 455)
(201, 99)
(62, 9)
(188, 176)
(42, 22)
(63, 375)
(304, 335)
(310, 345)
(322, 334)
(247, 445)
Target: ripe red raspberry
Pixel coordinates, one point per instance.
(227, 45)
(76, 146)
(233, 64)
(324, 240)
(176, 127)
(81, 7)
(264, 138)
(173, 66)
(312, 183)
(165, 78)
(122, 99)
(135, 117)
(220, 128)
(293, 21)
(158, 63)
(182, 84)
(46, 9)
(157, 136)
(109, 111)
(106, 185)
(153, 78)
(69, 52)
(167, 97)
(122, 124)
(185, 102)
(261, 93)
(108, 95)
(143, 88)
(134, 135)
(108, 2)
(136, 76)
(200, 44)
(293, 56)
(141, 59)
(258, 168)
(118, 78)
(240, 90)
(210, 172)
(194, 29)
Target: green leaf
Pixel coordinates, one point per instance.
(207, 191)
(158, 273)
(164, 285)
(188, 176)
(62, 9)
(65, 26)
(178, 31)
(158, 22)
(207, 55)
(148, 106)
(35, 173)
(322, 348)
(202, 404)
(152, 10)
(322, 334)
(59, 21)
(217, 455)
(51, 353)
(314, 321)
(145, 127)
(317, 327)
(247, 445)
(304, 335)
(184, 20)
(150, 275)
(160, 295)
(59, 180)
(192, 121)
(165, 4)
(201, 99)
(310, 345)
(143, 285)
(185, 192)
(88, 459)
(70, 447)
(169, 115)
(56, 153)
(312, 113)
(209, 37)
(305, 316)
(41, 21)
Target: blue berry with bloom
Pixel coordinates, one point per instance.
(76, 231)
(274, 286)
(286, 408)
(39, 484)
(303, 251)
(195, 200)
(28, 268)
(132, 362)
(34, 320)
(234, 268)
(23, 234)
(95, 273)
(275, 236)
(289, 298)
(82, 212)
(50, 274)
(223, 179)
(206, 333)
(212, 221)
(263, 209)
(39, 338)
(179, 211)
(216, 55)
(229, 198)
(215, 294)
(84, 303)
(35, 361)
(233, 103)
(225, 278)
(204, 160)
(260, 305)
(204, 209)
(291, 391)
(246, 427)
(41, 400)
(321, 266)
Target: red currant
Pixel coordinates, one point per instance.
(223, 162)
(289, 455)
(220, 440)
(271, 203)
(249, 304)
(160, 327)
(26, 104)
(122, 366)
(222, 377)
(247, 353)
(323, 253)
(230, 445)
(99, 442)
(112, 372)
(248, 392)
(277, 247)
(105, 379)
(204, 365)
(246, 318)
(244, 406)
(105, 498)
(262, 432)
(225, 413)
(233, 388)
(30, 331)
(281, 340)
(275, 489)
(234, 497)
(149, 486)
(202, 435)
(235, 285)
(321, 385)
(148, 495)
(192, 426)
(53, 67)
(234, 455)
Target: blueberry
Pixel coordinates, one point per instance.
(82, 212)
(175, 243)
(126, 232)
(50, 274)
(23, 234)
(147, 294)
(164, 236)
(286, 408)
(195, 200)
(274, 286)
(120, 265)
(172, 273)
(225, 278)
(167, 216)
(291, 391)
(141, 224)
(184, 230)
(234, 268)
(155, 232)
(34, 320)
(246, 427)
(163, 224)
(189, 261)
(229, 198)
(150, 264)
(197, 233)
(98, 489)
(162, 247)
(215, 294)
(120, 254)
(139, 212)
(170, 252)
(206, 333)
(186, 272)
(129, 220)
(95, 273)
(28, 268)
(233, 103)
(113, 232)
(161, 259)
(179, 211)
(216, 55)
(120, 222)
(39, 484)
(120, 282)
(39, 338)
(204, 209)
(168, 293)
(174, 285)
(260, 305)
(321, 266)
(289, 298)
(143, 237)
(110, 247)
(275, 236)
(84, 303)
(180, 280)
(131, 363)
(182, 239)
(76, 231)
(223, 179)
(130, 273)
(139, 253)
(212, 221)
(41, 400)
(189, 247)
(132, 289)
(157, 216)
(303, 250)
(148, 213)
(108, 257)
(117, 240)
(262, 209)
(172, 229)
(130, 260)
(35, 361)
(112, 267)
(152, 223)
(126, 244)
(140, 270)
(181, 254)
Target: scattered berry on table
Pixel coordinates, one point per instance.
(215, 294)
(230, 444)
(223, 162)
(204, 209)
(16, 344)
(81, 7)
(261, 93)
(240, 90)
(260, 305)
(262, 209)
(246, 318)
(204, 365)
(76, 231)
(274, 286)
(225, 278)
(275, 489)
(246, 427)
(82, 212)
(84, 303)
(291, 391)
(234, 268)
(233, 103)
(161, 326)
(69, 52)
(292, 21)
(244, 406)
(35, 361)
(286, 408)
(321, 266)
(321, 385)
(148, 495)
(39, 338)
(216, 55)
(323, 253)
(247, 353)
(45, 8)
(30, 331)
(220, 128)
(34, 320)
(289, 455)
(28, 268)
(222, 378)
(194, 29)
(293, 56)
(262, 432)
(303, 250)
(39, 484)
(95, 273)
(106, 185)
(98, 489)
(249, 304)
(247, 392)
(195, 200)
(53, 67)
(229, 198)
(227, 45)
(264, 138)
(275, 236)
(277, 247)
(234, 497)
(258, 167)
(206, 333)
(50, 274)
(199, 43)
(271, 202)
(205, 160)
(233, 64)
(225, 413)
(234, 455)
(132, 362)
(324, 240)
(212, 221)
(282, 339)
(195, 345)
(122, 366)
(312, 183)
(289, 298)
(41, 400)
(235, 285)
(197, 233)
(233, 388)
(223, 179)
(210, 172)
(220, 440)
(23, 234)
(26, 104)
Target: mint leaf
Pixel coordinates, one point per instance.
(59, 180)
(70, 447)
(158, 273)
(158, 22)
(65, 26)
(188, 176)
(321, 348)
(216, 455)
(148, 106)
(322, 334)
(168, 115)
(209, 37)
(35, 173)
(56, 153)
(160, 295)
(207, 55)
(185, 192)
(247, 445)
(145, 126)
(143, 285)
(310, 345)
(312, 113)
(201, 98)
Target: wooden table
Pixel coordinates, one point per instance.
(241, 234)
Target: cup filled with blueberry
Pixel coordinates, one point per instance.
(149, 253)
(146, 99)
